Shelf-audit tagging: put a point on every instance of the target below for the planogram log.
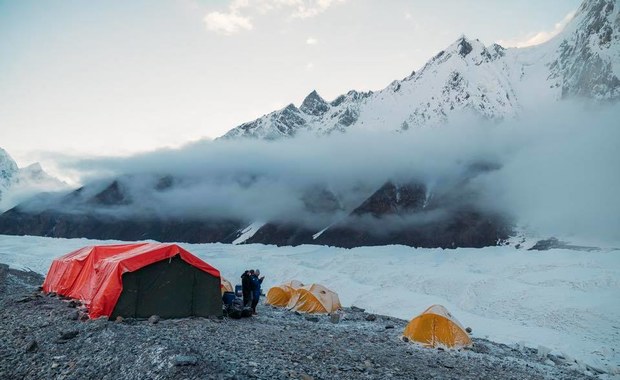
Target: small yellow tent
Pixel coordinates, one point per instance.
(279, 295)
(436, 327)
(226, 285)
(314, 298)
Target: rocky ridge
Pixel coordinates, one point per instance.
(491, 82)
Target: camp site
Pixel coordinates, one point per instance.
(309, 189)
(325, 318)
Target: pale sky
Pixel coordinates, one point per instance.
(120, 77)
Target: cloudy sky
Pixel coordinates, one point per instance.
(119, 77)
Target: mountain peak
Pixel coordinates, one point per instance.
(8, 168)
(595, 7)
(596, 17)
(587, 52)
(491, 81)
(314, 105)
(464, 46)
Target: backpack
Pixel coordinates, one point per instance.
(234, 310)
(246, 312)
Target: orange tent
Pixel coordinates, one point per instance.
(97, 275)
(314, 298)
(279, 295)
(436, 327)
(226, 286)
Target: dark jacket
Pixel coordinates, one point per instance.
(256, 283)
(246, 283)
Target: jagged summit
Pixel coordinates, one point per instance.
(464, 46)
(314, 104)
(491, 82)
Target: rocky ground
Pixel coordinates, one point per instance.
(42, 337)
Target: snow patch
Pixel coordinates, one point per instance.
(248, 232)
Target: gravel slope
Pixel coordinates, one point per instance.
(39, 338)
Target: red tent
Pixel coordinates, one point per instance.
(94, 275)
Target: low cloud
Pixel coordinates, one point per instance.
(311, 41)
(538, 38)
(553, 171)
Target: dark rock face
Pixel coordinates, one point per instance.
(401, 214)
(112, 195)
(392, 199)
(289, 120)
(314, 105)
(348, 117)
(580, 68)
(57, 224)
(464, 47)
(408, 215)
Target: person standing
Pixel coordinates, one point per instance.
(256, 288)
(246, 288)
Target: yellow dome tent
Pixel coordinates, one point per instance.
(226, 285)
(314, 298)
(279, 295)
(436, 327)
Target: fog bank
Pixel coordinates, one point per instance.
(555, 171)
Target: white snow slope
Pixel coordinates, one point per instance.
(566, 301)
(469, 78)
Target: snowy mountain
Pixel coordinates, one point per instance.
(8, 171)
(16, 184)
(468, 77)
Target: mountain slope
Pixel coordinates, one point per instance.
(467, 77)
(411, 208)
(16, 184)
(8, 171)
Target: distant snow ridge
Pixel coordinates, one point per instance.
(8, 171)
(467, 77)
(18, 183)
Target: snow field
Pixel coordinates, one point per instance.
(561, 300)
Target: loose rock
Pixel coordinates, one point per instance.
(153, 319)
(185, 360)
(334, 318)
(70, 334)
(31, 346)
(279, 344)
